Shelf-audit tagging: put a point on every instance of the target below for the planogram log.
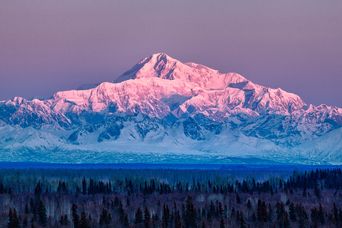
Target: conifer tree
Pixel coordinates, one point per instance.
(292, 213)
(165, 216)
(190, 213)
(75, 217)
(84, 222)
(178, 222)
(42, 213)
(147, 217)
(13, 221)
(138, 216)
(105, 217)
(222, 223)
(84, 186)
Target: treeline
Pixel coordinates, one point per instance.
(308, 199)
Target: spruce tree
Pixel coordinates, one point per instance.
(84, 223)
(105, 217)
(13, 221)
(222, 223)
(165, 216)
(178, 222)
(84, 186)
(147, 217)
(138, 216)
(190, 213)
(75, 217)
(292, 213)
(42, 213)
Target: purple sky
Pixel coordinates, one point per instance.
(48, 45)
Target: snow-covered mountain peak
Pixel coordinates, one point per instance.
(161, 85)
(163, 66)
(162, 104)
(152, 66)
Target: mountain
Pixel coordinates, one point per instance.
(163, 110)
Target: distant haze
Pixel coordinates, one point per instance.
(49, 45)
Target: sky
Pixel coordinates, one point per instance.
(50, 45)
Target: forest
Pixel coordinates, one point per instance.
(169, 198)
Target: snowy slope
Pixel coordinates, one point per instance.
(162, 107)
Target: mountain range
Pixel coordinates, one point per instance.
(164, 110)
